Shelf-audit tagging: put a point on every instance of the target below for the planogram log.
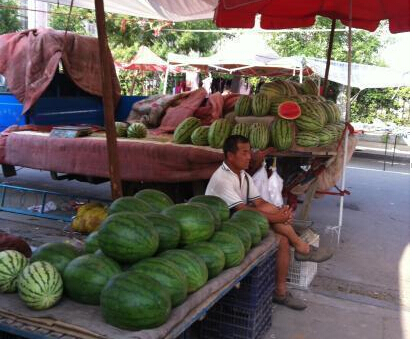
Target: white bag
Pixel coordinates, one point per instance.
(275, 187)
(260, 178)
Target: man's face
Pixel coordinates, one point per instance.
(241, 159)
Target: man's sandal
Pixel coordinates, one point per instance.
(289, 301)
(315, 254)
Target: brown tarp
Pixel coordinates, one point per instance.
(29, 60)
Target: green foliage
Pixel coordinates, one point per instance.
(387, 104)
(9, 21)
(78, 18)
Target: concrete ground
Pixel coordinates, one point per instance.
(362, 292)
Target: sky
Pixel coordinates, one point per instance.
(398, 55)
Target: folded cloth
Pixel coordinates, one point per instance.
(229, 102)
(29, 60)
(175, 115)
(212, 111)
(11, 242)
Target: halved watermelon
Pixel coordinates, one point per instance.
(289, 110)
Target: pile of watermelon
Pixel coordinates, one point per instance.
(301, 117)
(146, 257)
(135, 130)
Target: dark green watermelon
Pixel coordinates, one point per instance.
(128, 237)
(192, 266)
(85, 277)
(91, 243)
(168, 274)
(252, 227)
(212, 255)
(217, 203)
(260, 219)
(157, 200)
(129, 204)
(213, 213)
(134, 301)
(168, 229)
(56, 253)
(233, 228)
(232, 247)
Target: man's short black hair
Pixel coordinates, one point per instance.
(231, 143)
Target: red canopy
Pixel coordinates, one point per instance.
(281, 14)
(144, 60)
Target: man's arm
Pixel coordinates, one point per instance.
(270, 211)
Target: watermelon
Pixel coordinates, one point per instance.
(156, 199)
(134, 301)
(212, 255)
(40, 285)
(232, 247)
(325, 137)
(259, 136)
(260, 105)
(199, 137)
(85, 277)
(196, 222)
(309, 87)
(307, 139)
(128, 237)
(312, 118)
(58, 254)
(129, 204)
(168, 229)
(241, 128)
(137, 130)
(259, 218)
(233, 228)
(282, 134)
(192, 265)
(289, 110)
(185, 129)
(168, 274)
(218, 132)
(217, 203)
(216, 217)
(243, 106)
(11, 264)
(121, 129)
(252, 227)
(91, 244)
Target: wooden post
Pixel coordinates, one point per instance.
(108, 104)
(328, 57)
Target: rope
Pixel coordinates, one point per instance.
(340, 192)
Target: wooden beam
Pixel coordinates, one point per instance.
(328, 57)
(108, 104)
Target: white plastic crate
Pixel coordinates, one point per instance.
(301, 273)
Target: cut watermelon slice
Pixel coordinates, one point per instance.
(289, 110)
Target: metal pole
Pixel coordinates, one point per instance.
(328, 57)
(386, 148)
(166, 77)
(108, 104)
(394, 149)
(347, 117)
(301, 71)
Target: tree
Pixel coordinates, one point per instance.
(9, 21)
(78, 18)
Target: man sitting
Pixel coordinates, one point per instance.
(231, 183)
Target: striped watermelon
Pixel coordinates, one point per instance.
(233, 228)
(199, 136)
(196, 222)
(58, 254)
(217, 203)
(232, 247)
(212, 255)
(260, 105)
(336, 110)
(121, 128)
(251, 226)
(167, 274)
(259, 136)
(215, 214)
(134, 301)
(309, 87)
(185, 129)
(168, 229)
(11, 264)
(275, 102)
(137, 130)
(255, 216)
(85, 277)
(325, 137)
(311, 119)
(129, 204)
(278, 88)
(307, 139)
(91, 243)
(335, 133)
(241, 128)
(282, 134)
(243, 106)
(156, 199)
(191, 264)
(40, 285)
(128, 237)
(218, 132)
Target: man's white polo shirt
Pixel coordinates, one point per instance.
(226, 184)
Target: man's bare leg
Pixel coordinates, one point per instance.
(288, 231)
(282, 265)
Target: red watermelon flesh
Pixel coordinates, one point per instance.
(289, 110)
